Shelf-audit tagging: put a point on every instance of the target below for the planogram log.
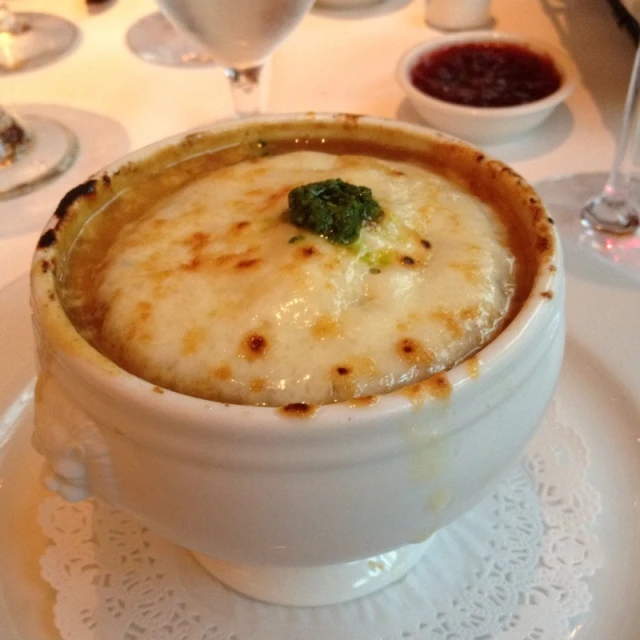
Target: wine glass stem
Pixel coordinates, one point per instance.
(617, 183)
(246, 89)
(13, 138)
(613, 211)
(10, 22)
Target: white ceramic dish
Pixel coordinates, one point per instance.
(597, 393)
(308, 502)
(485, 125)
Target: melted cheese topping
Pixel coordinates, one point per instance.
(214, 294)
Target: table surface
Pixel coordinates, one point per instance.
(333, 62)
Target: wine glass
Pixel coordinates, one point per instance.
(603, 210)
(33, 150)
(29, 40)
(154, 39)
(241, 34)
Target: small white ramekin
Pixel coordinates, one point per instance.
(311, 507)
(485, 125)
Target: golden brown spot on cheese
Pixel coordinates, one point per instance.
(449, 321)
(438, 386)
(197, 241)
(298, 410)
(157, 389)
(257, 384)
(407, 260)
(547, 294)
(407, 345)
(473, 367)
(45, 266)
(325, 327)
(143, 311)
(275, 197)
(242, 225)
(308, 251)
(256, 192)
(222, 372)
(192, 341)
(467, 269)
(470, 313)
(425, 243)
(364, 401)
(224, 259)
(253, 347)
(416, 394)
(193, 265)
(248, 263)
(343, 371)
(413, 351)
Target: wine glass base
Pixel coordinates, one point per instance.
(598, 212)
(45, 39)
(154, 39)
(51, 149)
(565, 198)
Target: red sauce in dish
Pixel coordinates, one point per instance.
(486, 74)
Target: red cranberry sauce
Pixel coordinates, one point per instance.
(486, 74)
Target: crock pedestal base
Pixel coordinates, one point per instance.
(315, 586)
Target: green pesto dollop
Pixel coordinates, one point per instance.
(333, 209)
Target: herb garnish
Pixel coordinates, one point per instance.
(333, 209)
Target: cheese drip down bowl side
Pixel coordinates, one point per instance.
(302, 504)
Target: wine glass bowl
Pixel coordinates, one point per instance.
(154, 39)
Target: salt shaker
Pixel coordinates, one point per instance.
(456, 15)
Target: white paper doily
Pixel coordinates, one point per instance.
(513, 567)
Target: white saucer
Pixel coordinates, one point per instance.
(599, 394)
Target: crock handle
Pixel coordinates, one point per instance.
(75, 451)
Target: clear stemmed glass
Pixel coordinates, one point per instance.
(29, 40)
(154, 39)
(241, 34)
(33, 150)
(605, 219)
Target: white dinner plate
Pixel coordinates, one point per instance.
(598, 395)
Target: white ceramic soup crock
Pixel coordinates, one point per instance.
(310, 505)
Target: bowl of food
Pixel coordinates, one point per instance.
(296, 345)
(486, 87)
